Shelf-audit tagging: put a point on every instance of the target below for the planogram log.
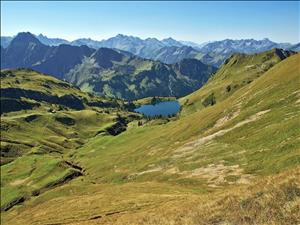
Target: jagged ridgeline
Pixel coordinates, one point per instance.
(169, 50)
(106, 71)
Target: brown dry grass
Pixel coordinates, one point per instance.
(268, 200)
(271, 200)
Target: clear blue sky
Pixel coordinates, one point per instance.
(193, 21)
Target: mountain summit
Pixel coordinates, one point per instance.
(170, 50)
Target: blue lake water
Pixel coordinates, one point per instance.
(160, 109)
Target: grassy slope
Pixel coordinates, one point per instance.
(254, 152)
(27, 79)
(35, 144)
(238, 71)
(236, 162)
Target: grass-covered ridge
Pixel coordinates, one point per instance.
(233, 162)
(238, 71)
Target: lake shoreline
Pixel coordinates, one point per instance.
(159, 109)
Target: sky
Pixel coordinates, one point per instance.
(195, 21)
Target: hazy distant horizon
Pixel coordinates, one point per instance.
(160, 39)
(198, 22)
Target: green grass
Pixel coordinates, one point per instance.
(29, 175)
(158, 142)
(239, 71)
(241, 153)
(253, 137)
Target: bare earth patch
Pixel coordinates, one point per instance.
(155, 169)
(226, 118)
(192, 145)
(216, 174)
(19, 181)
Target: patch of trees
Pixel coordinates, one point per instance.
(117, 128)
(11, 105)
(67, 100)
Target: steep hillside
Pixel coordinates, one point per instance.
(215, 165)
(238, 71)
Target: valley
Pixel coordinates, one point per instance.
(150, 113)
(231, 156)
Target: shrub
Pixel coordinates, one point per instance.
(209, 100)
(228, 88)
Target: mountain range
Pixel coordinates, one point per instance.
(26, 51)
(112, 73)
(170, 50)
(106, 71)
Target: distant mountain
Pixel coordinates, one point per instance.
(247, 46)
(51, 41)
(171, 42)
(106, 71)
(167, 50)
(170, 50)
(5, 40)
(173, 54)
(295, 47)
(193, 44)
(25, 50)
(62, 58)
(135, 45)
(88, 42)
(215, 53)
